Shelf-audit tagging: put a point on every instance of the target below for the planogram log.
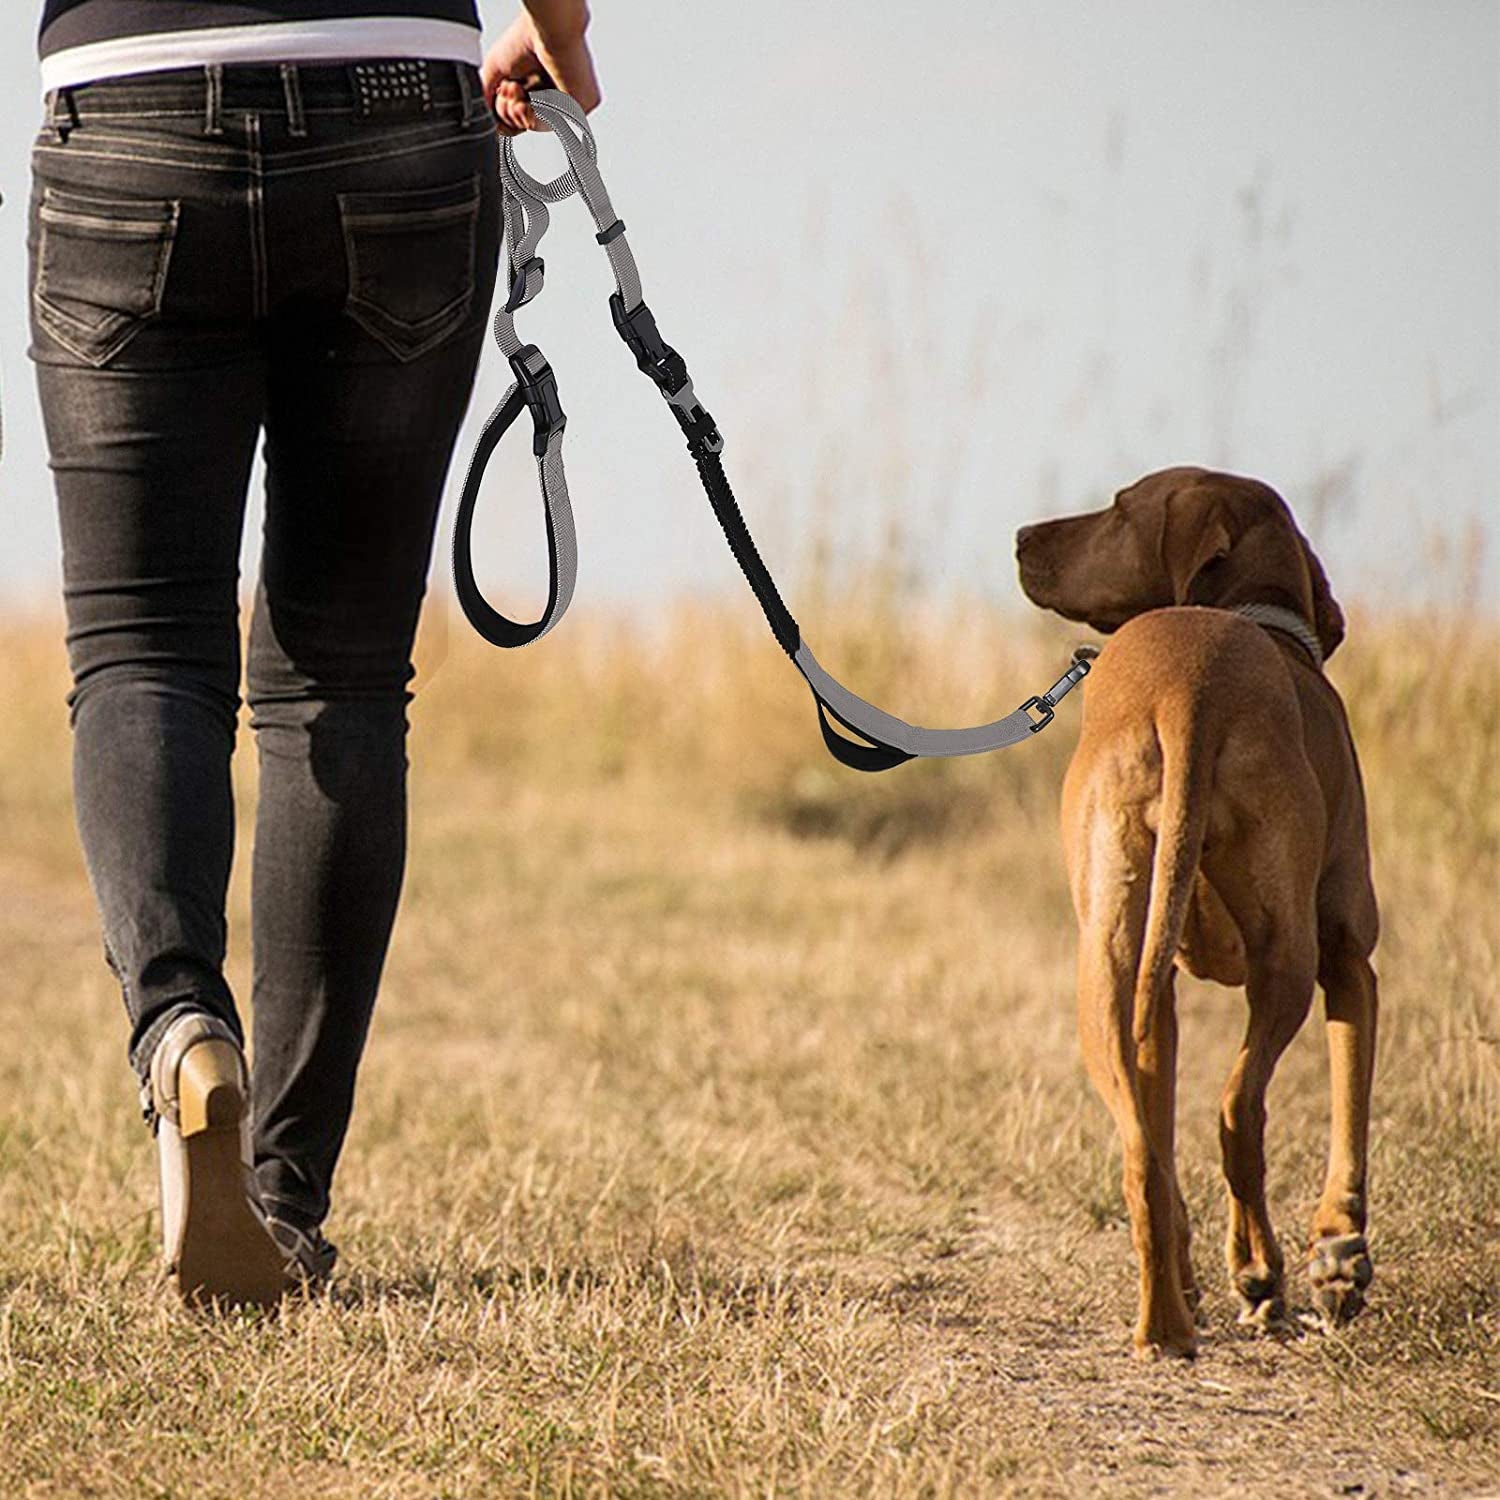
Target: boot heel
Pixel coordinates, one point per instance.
(211, 1092)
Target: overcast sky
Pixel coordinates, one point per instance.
(965, 269)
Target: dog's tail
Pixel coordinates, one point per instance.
(1185, 778)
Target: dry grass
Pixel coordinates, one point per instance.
(722, 1130)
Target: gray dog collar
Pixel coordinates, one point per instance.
(1274, 617)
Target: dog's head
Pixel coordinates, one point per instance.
(1180, 536)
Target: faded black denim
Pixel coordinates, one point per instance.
(217, 253)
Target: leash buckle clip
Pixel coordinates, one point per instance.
(668, 370)
(653, 354)
(539, 386)
(1046, 702)
(1067, 682)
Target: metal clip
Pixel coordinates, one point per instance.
(1048, 701)
(1067, 682)
(1043, 707)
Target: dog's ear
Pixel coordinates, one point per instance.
(1328, 618)
(1193, 541)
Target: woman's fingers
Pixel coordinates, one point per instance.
(512, 108)
(523, 58)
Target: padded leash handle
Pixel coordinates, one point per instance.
(535, 387)
(880, 740)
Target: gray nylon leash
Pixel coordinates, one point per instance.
(884, 740)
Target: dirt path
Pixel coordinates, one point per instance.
(1249, 1417)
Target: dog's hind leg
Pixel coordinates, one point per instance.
(1339, 1260)
(1280, 990)
(1156, 1067)
(1114, 914)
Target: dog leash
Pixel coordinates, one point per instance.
(883, 739)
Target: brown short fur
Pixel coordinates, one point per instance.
(1213, 819)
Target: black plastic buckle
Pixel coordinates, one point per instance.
(667, 369)
(652, 353)
(518, 286)
(638, 329)
(539, 386)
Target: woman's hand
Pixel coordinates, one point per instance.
(543, 47)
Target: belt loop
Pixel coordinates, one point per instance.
(291, 83)
(213, 108)
(465, 93)
(62, 101)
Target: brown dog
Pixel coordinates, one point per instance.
(1213, 818)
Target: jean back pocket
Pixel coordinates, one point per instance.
(101, 268)
(411, 262)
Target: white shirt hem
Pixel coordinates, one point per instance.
(339, 40)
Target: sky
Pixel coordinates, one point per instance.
(941, 271)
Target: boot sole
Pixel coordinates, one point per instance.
(226, 1255)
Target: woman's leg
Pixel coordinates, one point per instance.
(360, 430)
(151, 389)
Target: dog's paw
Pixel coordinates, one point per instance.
(1267, 1316)
(1177, 1346)
(1340, 1271)
(1166, 1333)
(1261, 1304)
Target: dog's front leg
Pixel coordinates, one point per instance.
(1339, 1260)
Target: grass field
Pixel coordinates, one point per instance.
(722, 1130)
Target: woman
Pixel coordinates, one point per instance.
(249, 215)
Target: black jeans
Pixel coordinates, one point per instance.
(310, 251)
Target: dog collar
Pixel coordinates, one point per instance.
(1274, 617)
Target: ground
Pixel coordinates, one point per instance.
(722, 1130)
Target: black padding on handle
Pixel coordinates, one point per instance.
(488, 621)
(872, 756)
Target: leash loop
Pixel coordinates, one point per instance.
(566, 183)
(873, 739)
